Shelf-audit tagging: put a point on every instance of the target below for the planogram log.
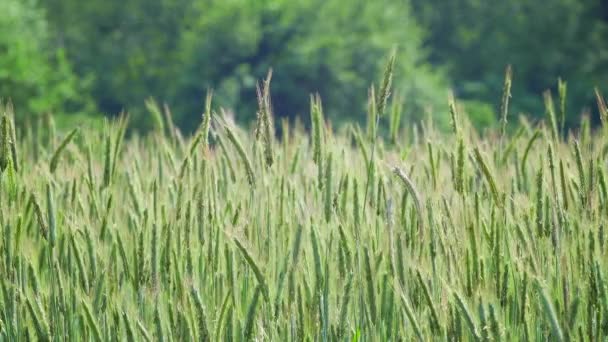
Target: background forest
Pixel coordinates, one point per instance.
(93, 58)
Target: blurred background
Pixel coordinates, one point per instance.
(83, 60)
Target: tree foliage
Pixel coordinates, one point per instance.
(177, 50)
(33, 75)
(312, 46)
(542, 40)
(57, 55)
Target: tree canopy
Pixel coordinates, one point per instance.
(72, 56)
(542, 40)
(34, 73)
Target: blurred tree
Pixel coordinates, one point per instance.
(33, 75)
(543, 41)
(312, 46)
(175, 50)
(127, 47)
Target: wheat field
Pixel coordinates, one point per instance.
(234, 234)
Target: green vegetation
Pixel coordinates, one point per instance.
(235, 235)
(543, 41)
(76, 58)
(175, 50)
(36, 76)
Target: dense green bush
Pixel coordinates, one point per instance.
(176, 50)
(313, 46)
(126, 47)
(33, 74)
(543, 41)
(481, 114)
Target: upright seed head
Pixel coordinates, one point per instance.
(385, 87)
(395, 119)
(371, 291)
(356, 207)
(259, 124)
(506, 95)
(13, 136)
(207, 120)
(563, 183)
(264, 126)
(157, 115)
(601, 105)
(372, 113)
(550, 110)
(154, 256)
(460, 159)
(122, 129)
(107, 168)
(561, 90)
(318, 125)
(51, 215)
(581, 173)
(539, 200)
(453, 113)
(328, 189)
(5, 142)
